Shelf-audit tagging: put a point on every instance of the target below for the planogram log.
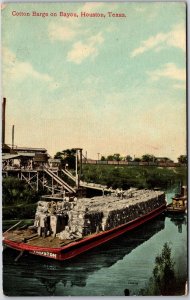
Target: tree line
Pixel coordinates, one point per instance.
(144, 158)
(67, 157)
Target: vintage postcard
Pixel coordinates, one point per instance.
(94, 150)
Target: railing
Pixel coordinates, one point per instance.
(132, 163)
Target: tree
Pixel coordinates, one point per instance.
(128, 158)
(16, 191)
(103, 158)
(67, 157)
(163, 273)
(163, 282)
(164, 159)
(148, 158)
(110, 157)
(182, 159)
(117, 157)
(137, 159)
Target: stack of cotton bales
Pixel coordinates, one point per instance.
(104, 213)
(91, 215)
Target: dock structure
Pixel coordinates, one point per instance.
(34, 166)
(51, 180)
(45, 177)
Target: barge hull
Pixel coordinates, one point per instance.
(76, 248)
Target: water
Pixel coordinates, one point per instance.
(124, 263)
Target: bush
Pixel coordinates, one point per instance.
(19, 212)
(163, 281)
(133, 176)
(16, 191)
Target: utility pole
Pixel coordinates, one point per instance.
(13, 133)
(98, 156)
(80, 157)
(3, 120)
(76, 168)
(78, 176)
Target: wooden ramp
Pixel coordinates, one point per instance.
(60, 181)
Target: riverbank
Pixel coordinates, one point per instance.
(135, 176)
(19, 200)
(6, 224)
(21, 211)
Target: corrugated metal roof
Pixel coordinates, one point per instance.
(14, 156)
(28, 154)
(9, 156)
(29, 149)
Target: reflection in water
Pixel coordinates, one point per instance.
(179, 220)
(33, 275)
(50, 285)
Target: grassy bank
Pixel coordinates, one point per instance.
(19, 201)
(134, 176)
(9, 223)
(19, 211)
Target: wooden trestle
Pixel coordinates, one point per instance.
(51, 180)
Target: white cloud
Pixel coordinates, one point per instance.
(61, 33)
(169, 70)
(177, 37)
(96, 39)
(20, 70)
(174, 38)
(65, 29)
(82, 50)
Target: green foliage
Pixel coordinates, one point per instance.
(128, 158)
(23, 211)
(148, 158)
(163, 273)
(103, 158)
(58, 155)
(117, 157)
(137, 159)
(110, 157)
(67, 157)
(133, 176)
(114, 157)
(163, 280)
(182, 159)
(16, 191)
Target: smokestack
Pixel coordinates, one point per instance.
(3, 120)
(13, 135)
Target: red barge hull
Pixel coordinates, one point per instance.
(78, 247)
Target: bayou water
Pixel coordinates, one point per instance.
(124, 263)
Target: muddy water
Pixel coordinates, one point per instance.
(124, 263)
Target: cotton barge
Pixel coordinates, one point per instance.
(67, 226)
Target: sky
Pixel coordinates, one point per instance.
(108, 85)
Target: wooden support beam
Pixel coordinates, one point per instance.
(37, 182)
